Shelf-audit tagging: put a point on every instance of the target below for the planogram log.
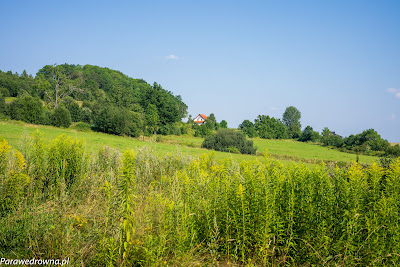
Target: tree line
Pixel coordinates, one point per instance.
(369, 142)
(97, 98)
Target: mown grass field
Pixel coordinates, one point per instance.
(283, 150)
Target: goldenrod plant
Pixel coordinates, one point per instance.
(142, 209)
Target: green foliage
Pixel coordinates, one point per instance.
(393, 151)
(86, 115)
(4, 92)
(248, 128)
(202, 130)
(211, 122)
(227, 140)
(13, 84)
(13, 178)
(73, 108)
(223, 124)
(329, 139)
(27, 108)
(152, 119)
(118, 121)
(61, 117)
(270, 128)
(147, 210)
(67, 161)
(58, 82)
(82, 126)
(309, 134)
(99, 89)
(3, 107)
(173, 129)
(291, 118)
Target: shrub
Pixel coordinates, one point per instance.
(86, 114)
(4, 92)
(27, 108)
(309, 134)
(248, 128)
(202, 130)
(118, 121)
(228, 140)
(73, 108)
(270, 128)
(82, 126)
(61, 117)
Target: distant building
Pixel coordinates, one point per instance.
(200, 119)
(336, 134)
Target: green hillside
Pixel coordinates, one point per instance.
(283, 150)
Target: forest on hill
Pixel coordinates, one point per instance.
(99, 98)
(105, 100)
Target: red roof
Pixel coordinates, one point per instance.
(203, 116)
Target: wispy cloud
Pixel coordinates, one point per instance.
(394, 91)
(172, 57)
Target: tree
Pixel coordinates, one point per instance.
(61, 84)
(270, 128)
(329, 139)
(73, 108)
(211, 122)
(2, 105)
(27, 108)
(61, 117)
(114, 120)
(248, 128)
(151, 118)
(4, 92)
(223, 124)
(309, 134)
(291, 118)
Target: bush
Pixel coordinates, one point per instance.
(118, 121)
(27, 108)
(4, 92)
(227, 140)
(82, 126)
(61, 117)
(309, 134)
(73, 108)
(201, 130)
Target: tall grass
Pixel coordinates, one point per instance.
(139, 209)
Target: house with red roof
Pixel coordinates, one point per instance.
(200, 119)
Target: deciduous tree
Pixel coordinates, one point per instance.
(291, 118)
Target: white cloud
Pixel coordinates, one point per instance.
(172, 57)
(393, 116)
(394, 91)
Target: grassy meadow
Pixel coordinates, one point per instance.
(105, 200)
(284, 150)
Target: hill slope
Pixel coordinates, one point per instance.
(283, 150)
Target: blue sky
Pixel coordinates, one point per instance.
(338, 62)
